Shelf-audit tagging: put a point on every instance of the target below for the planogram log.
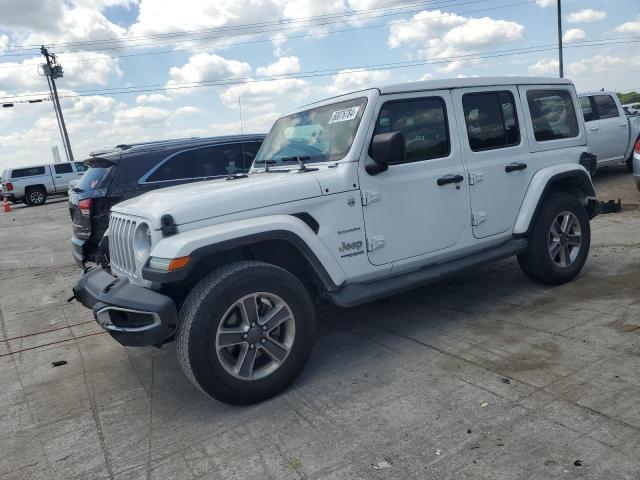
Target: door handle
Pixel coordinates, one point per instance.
(623, 125)
(594, 129)
(450, 179)
(58, 176)
(514, 167)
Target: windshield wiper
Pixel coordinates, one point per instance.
(299, 159)
(268, 162)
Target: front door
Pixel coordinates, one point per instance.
(496, 151)
(420, 204)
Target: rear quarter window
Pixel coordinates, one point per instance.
(553, 115)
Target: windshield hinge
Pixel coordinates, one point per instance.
(370, 196)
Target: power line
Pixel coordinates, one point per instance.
(337, 15)
(324, 73)
(277, 30)
(322, 34)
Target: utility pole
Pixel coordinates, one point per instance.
(560, 59)
(53, 70)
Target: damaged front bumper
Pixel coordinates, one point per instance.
(133, 315)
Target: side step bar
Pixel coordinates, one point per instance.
(359, 293)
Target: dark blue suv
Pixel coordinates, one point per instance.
(127, 171)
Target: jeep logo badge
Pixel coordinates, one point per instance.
(351, 246)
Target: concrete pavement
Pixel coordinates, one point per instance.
(487, 376)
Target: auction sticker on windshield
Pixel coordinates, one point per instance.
(344, 115)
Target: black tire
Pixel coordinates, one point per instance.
(537, 261)
(206, 308)
(35, 197)
(629, 164)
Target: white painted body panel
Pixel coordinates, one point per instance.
(535, 191)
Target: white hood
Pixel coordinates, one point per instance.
(201, 200)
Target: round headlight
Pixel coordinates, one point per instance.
(142, 241)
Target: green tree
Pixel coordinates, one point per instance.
(630, 97)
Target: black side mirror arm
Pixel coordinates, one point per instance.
(376, 168)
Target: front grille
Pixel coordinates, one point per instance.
(121, 230)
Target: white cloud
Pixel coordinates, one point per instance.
(544, 68)
(629, 27)
(598, 64)
(586, 15)
(312, 8)
(443, 34)
(546, 3)
(574, 35)
(357, 79)
(204, 67)
(4, 43)
(188, 110)
(89, 69)
(257, 124)
(283, 66)
(152, 98)
(141, 116)
(161, 16)
(263, 96)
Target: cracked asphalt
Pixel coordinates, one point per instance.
(486, 376)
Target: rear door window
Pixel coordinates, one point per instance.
(491, 120)
(27, 172)
(223, 160)
(607, 107)
(552, 114)
(587, 109)
(179, 167)
(63, 168)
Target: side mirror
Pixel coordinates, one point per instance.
(385, 148)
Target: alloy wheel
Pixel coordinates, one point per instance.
(565, 239)
(255, 336)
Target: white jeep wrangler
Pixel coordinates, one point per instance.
(349, 200)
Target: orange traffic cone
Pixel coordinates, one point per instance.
(6, 207)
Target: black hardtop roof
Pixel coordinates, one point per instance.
(115, 153)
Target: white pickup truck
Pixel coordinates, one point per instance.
(33, 184)
(611, 134)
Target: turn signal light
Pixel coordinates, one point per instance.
(635, 149)
(9, 186)
(178, 263)
(85, 206)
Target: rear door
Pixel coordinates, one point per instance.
(63, 173)
(497, 155)
(614, 128)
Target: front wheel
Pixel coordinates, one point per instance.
(559, 241)
(245, 332)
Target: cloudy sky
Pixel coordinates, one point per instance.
(151, 69)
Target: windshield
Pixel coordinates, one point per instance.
(321, 134)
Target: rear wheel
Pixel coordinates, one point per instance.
(559, 241)
(35, 196)
(245, 332)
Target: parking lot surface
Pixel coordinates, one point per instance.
(486, 376)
